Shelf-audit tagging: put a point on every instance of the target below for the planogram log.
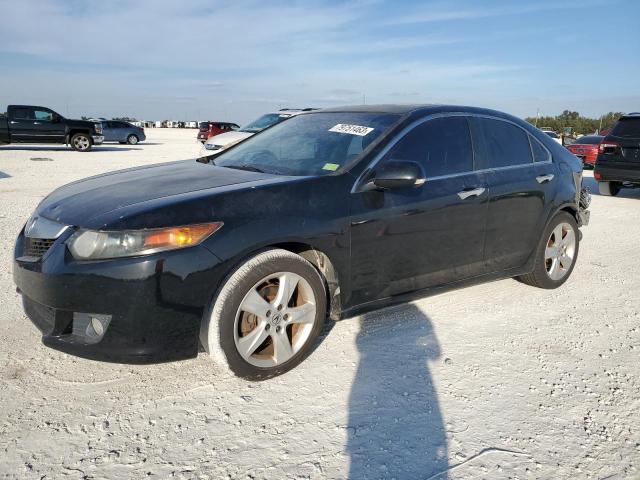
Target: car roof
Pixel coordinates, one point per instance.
(419, 110)
(631, 115)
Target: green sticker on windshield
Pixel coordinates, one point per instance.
(331, 166)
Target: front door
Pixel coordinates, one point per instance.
(47, 126)
(411, 238)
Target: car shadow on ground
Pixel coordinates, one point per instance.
(96, 148)
(4, 175)
(592, 185)
(395, 425)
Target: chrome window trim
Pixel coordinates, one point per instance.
(420, 121)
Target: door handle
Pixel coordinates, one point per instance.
(36, 123)
(476, 192)
(544, 178)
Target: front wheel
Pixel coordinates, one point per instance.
(132, 140)
(557, 253)
(609, 189)
(81, 142)
(267, 316)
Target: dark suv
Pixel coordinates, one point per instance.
(326, 215)
(618, 162)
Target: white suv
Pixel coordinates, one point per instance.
(225, 140)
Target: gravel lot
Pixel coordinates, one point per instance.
(496, 381)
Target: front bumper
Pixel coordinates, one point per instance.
(97, 139)
(154, 303)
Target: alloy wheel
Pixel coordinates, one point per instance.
(81, 143)
(560, 251)
(275, 319)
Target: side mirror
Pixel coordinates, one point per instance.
(399, 174)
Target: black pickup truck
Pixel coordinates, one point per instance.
(30, 124)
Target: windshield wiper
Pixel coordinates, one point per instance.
(249, 168)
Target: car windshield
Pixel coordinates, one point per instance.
(311, 144)
(263, 122)
(204, 125)
(588, 140)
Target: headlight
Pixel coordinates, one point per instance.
(97, 245)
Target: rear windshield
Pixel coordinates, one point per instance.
(589, 140)
(627, 127)
(204, 125)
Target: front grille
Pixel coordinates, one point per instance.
(37, 247)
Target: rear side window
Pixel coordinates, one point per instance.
(22, 113)
(503, 144)
(442, 146)
(540, 154)
(627, 127)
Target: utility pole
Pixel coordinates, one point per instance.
(537, 116)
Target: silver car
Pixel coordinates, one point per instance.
(123, 132)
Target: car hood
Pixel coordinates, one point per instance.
(225, 139)
(80, 202)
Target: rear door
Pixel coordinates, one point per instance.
(21, 125)
(520, 190)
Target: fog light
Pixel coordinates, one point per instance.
(97, 326)
(91, 326)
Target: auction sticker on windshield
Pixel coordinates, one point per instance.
(351, 129)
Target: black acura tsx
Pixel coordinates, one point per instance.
(327, 215)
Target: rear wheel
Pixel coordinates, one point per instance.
(132, 139)
(267, 316)
(609, 189)
(557, 253)
(81, 142)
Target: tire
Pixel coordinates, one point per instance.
(609, 189)
(81, 142)
(132, 139)
(267, 335)
(552, 272)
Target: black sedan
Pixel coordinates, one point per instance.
(327, 215)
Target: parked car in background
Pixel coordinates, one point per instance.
(552, 134)
(586, 148)
(327, 215)
(225, 140)
(618, 163)
(32, 124)
(122, 132)
(211, 129)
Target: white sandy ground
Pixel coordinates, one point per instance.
(496, 381)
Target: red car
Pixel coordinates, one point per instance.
(586, 149)
(211, 129)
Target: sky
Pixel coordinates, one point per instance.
(234, 60)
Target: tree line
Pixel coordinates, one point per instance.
(576, 122)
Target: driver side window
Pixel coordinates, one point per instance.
(442, 146)
(43, 115)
